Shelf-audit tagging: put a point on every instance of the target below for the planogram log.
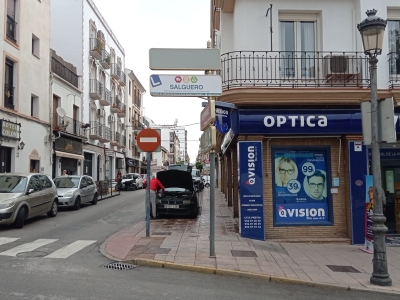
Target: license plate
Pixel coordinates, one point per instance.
(171, 206)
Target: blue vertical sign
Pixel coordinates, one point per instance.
(251, 190)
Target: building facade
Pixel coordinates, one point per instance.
(296, 127)
(25, 133)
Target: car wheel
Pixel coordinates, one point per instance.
(54, 209)
(77, 204)
(20, 219)
(94, 202)
(207, 185)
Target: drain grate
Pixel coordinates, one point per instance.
(241, 253)
(158, 250)
(346, 269)
(120, 266)
(161, 233)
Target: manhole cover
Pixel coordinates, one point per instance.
(158, 250)
(161, 233)
(346, 269)
(32, 254)
(241, 253)
(120, 266)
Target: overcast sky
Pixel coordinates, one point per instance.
(143, 24)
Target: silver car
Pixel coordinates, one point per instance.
(23, 196)
(75, 190)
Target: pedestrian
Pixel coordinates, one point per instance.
(155, 185)
(119, 176)
(64, 173)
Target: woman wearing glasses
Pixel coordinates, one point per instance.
(286, 170)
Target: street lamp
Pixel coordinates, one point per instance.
(372, 31)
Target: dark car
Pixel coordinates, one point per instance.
(180, 197)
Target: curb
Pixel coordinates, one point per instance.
(241, 274)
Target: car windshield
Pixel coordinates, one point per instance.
(66, 182)
(176, 189)
(195, 173)
(127, 176)
(12, 184)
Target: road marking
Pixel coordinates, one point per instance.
(70, 249)
(28, 247)
(148, 140)
(6, 240)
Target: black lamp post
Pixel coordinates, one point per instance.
(372, 30)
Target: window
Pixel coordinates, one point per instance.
(9, 84)
(46, 183)
(130, 86)
(298, 48)
(11, 24)
(130, 144)
(35, 46)
(83, 182)
(34, 106)
(394, 46)
(34, 184)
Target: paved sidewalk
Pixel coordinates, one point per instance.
(185, 244)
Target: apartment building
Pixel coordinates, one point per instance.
(91, 46)
(296, 73)
(24, 109)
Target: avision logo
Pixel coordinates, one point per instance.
(251, 159)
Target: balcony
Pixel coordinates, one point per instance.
(96, 48)
(394, 70)
(11, 29)
(104, 133)
(105, 60)
(114, 104)
(115, 72)
(105, 97)
(65, 73)
(123, 141)
(9, 96)
(276, 69)
(69, 125)
(94, 130)
(116, 139)
(122, 109)
(122, 79)
(95, 89)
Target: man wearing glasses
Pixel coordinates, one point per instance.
(316, 183)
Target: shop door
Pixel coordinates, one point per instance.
(390, 184)
(5, 160)
(87, 164)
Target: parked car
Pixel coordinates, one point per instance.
(23, 196)
(130, 181)
(179, 197)
(75, 190)
(206, 181)
(144, 180)
(197, 179)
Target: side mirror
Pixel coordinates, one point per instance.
(30, 191)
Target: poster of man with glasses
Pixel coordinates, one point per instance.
(302, 182)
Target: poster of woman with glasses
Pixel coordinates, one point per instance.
(301, 183)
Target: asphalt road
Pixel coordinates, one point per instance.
(82, 275)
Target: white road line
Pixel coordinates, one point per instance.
(70, 249)
(148, 140)
(6, 240)
(28, 247)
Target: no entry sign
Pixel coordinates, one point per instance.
(148, 140)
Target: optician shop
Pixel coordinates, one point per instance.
(302, 174)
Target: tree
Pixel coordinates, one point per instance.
(199, 166)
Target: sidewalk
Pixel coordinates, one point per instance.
(184, 244)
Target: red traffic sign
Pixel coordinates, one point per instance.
(148, 140)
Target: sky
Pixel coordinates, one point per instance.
(143, 24)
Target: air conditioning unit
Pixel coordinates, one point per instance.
(100, 112)
(111, 118)
(340, 66)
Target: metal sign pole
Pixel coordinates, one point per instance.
(148, 195)
(212, 203)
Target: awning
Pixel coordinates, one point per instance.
(69, 155)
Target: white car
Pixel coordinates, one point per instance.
(131, 181)
(139, 180)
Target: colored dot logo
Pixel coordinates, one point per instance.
(193, 79)
(178, 79)
(186, 79)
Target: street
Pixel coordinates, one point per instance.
(77, 271)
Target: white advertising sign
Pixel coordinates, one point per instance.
(185, 85)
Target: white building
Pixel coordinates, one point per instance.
(91, 46)
(24, 109)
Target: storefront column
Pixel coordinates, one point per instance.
(235, 198)
(223, 174)
(225, 178)
(229, 177)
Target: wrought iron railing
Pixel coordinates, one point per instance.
(106, 95)
(117, 137)
(9, 96)
(294, 69)
(115, 70)
(97, 45)
(65, 73)
(95, 128)
(106, 57)
(95, 87)
(11, 31)
(69, 125)
(122, 77)
(104, 132)
(121, 106)
(394, 70)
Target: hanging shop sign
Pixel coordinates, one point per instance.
(10, 130)
(251, 190)
(302, 180)
(222, 119)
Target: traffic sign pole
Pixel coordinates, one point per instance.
(148, 195)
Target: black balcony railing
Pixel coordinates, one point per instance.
(394, 70)
(294, 69)
(96, 47)
(115, 70)
(11, 29)
(65, 73)
(121, 106)
(95, 128)
(117, 137)
(105, 58)
(9, 96)
(106, 95)
(122, 77)
(69, 125)
(96, 87)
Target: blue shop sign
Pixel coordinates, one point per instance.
(222, 119)
(301, 121)
(251, 190)
(386, 154)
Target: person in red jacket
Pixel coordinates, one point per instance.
(155, 185)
